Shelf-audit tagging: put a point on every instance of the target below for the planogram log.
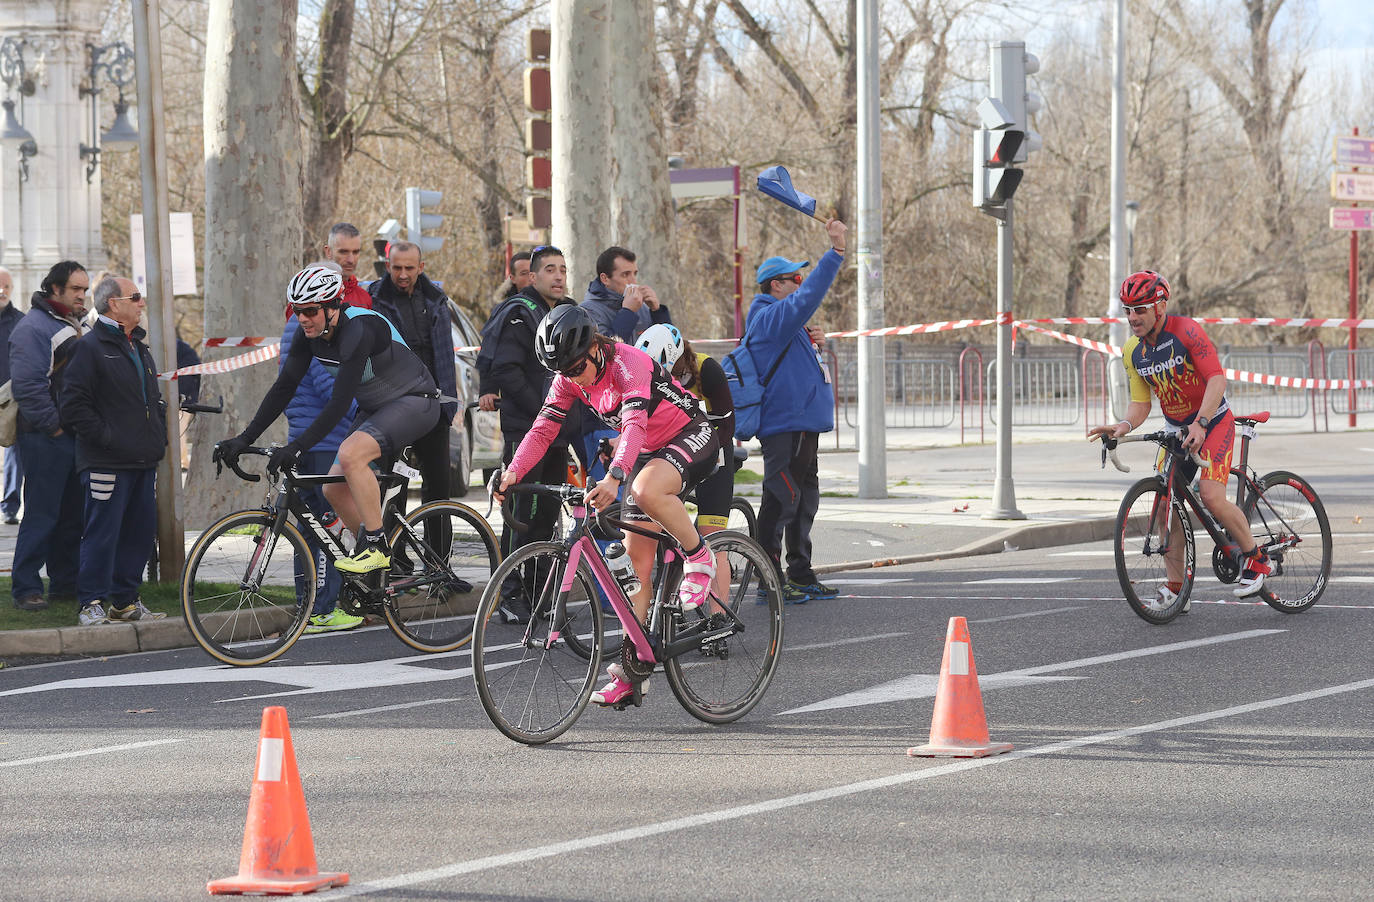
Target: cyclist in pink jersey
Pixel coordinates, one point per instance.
(665, 440)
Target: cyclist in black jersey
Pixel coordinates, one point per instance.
(398, 403)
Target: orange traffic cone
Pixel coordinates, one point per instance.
(278, 856)
(959, 728)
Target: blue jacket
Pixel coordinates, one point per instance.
(610, 317)
(311, 396)
(40, 346)
(799, 398)
(9, 318)
(438, 357)
(111, 401)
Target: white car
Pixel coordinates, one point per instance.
(475, 437)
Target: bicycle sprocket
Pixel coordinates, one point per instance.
(1225, 567)
(638, 671)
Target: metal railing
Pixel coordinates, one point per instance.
(1045, 391)
(1344, 363)
(1245, 397)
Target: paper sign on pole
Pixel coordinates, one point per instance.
(1352, 218)
(1352, 186)
(183, 253)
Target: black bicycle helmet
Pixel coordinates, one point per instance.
(564, 337)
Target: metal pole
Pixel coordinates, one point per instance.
(872, 425)
(739, 260)
(1003, 491)
(1353, 341)
(157, 243)
(1116, 380)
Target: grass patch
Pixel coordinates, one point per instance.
(749, 476)
(165, 597)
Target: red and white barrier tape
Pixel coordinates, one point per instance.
(1001, 320)
(239, 341)
(225, 366)
(1237, 375)
(1220, 321)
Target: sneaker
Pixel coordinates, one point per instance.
(514, 609)
(11, 520)
(697, 575)
(815, 589)
(1164, 597)
(364, 560)
(92, 614)
(135, 611)
(31, 603)
(791, 593)
(336, 620)
(1252, 577)
(618, 689)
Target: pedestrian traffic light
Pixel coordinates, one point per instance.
(538, 128)
(995, 146)
(420, 225)
(1010, 65)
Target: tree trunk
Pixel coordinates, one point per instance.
(579, 63)
(331, 134)
(253, 217)
(641, 199)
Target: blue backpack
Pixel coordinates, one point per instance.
(746, 388)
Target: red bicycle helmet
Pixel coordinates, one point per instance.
(1146, 287)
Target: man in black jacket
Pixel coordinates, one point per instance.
(419, 310)
(112, 403)
(523, 382)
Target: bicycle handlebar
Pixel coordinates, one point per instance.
(1163, 437)
(193, 407)
(568, 494)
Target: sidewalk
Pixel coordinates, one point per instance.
(937, 506)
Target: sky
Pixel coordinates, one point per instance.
(1345, 24)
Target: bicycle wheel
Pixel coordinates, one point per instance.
(533, 686)
(246, 591)
(725, 678)
(439, 579)
(1140, 565)
(742, 517)
(1289, 520)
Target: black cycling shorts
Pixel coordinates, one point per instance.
(399, 422)
(693, 452)
(714, 494)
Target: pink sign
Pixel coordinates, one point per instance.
(1350, 218)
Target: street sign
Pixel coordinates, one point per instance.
(1352, 186)
(1353, 151)
(1348, 218)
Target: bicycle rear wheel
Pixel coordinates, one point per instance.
(1143, 524)
(742, 517)
(1289, 521)
(246, 591)
(532, 685)
(725, 678)
(453, 560)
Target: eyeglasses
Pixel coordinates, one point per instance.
(576, 369)
(1138, 309)
(135, 297)
(794, 277)
(308, 312)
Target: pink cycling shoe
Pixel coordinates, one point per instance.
(697, 575)
(618, 689)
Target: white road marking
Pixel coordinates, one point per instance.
(1103, 553)
(922, 685)
(871, 580)
(1019, 580)
(84, 752)
(361, 711)
(643, 831)
(851, 641)
(1028, 614)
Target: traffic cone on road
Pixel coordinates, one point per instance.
(959, 728)
(278, 856)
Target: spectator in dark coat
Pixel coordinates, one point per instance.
(14, 472)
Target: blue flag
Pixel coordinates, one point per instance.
(777, 184)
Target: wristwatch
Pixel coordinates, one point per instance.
(1202, 421)
(617, 473)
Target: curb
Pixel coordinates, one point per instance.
(158, 635)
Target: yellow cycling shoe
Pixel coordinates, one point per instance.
(364, 561)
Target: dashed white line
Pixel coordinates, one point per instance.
(1020, 580)
(81, 753)
(1028, 614)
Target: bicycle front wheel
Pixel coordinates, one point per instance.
(725, 678)
(1289, 521)
(531, 681)
(247, 591)
(439, 568)
(742, 517)
(1153, 536)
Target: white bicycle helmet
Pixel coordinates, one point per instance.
(662, 342)
(315, 285)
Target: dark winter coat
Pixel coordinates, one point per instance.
(111, 401)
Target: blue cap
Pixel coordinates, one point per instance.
(774, 267)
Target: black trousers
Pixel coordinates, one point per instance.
(791, 497)
(432, 456)
(540, 513)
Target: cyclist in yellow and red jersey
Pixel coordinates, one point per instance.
(1172, 357)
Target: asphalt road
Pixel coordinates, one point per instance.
(1226, 756)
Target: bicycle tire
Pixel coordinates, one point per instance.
(1140, 567)
(725, 679)
(742, 517)
(532, 689)
(1302, 571)
(438, 616)
(235, 624)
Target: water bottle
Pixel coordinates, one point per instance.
(622, 567)
(334, 526)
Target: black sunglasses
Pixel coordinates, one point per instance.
(135, 297)
(576, 369)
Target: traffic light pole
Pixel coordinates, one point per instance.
(869, 241)
(1003, 491)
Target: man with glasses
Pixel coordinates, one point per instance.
(10, 316)
(798, 405)
(112, 404)
(523, 381)
(1172, 357)
(40, 347)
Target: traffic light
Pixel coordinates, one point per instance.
(420, 225)
(995, 146)
(389, 232)
(538, 129)
(1007, 82)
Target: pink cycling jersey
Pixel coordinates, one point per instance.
(634, 395)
